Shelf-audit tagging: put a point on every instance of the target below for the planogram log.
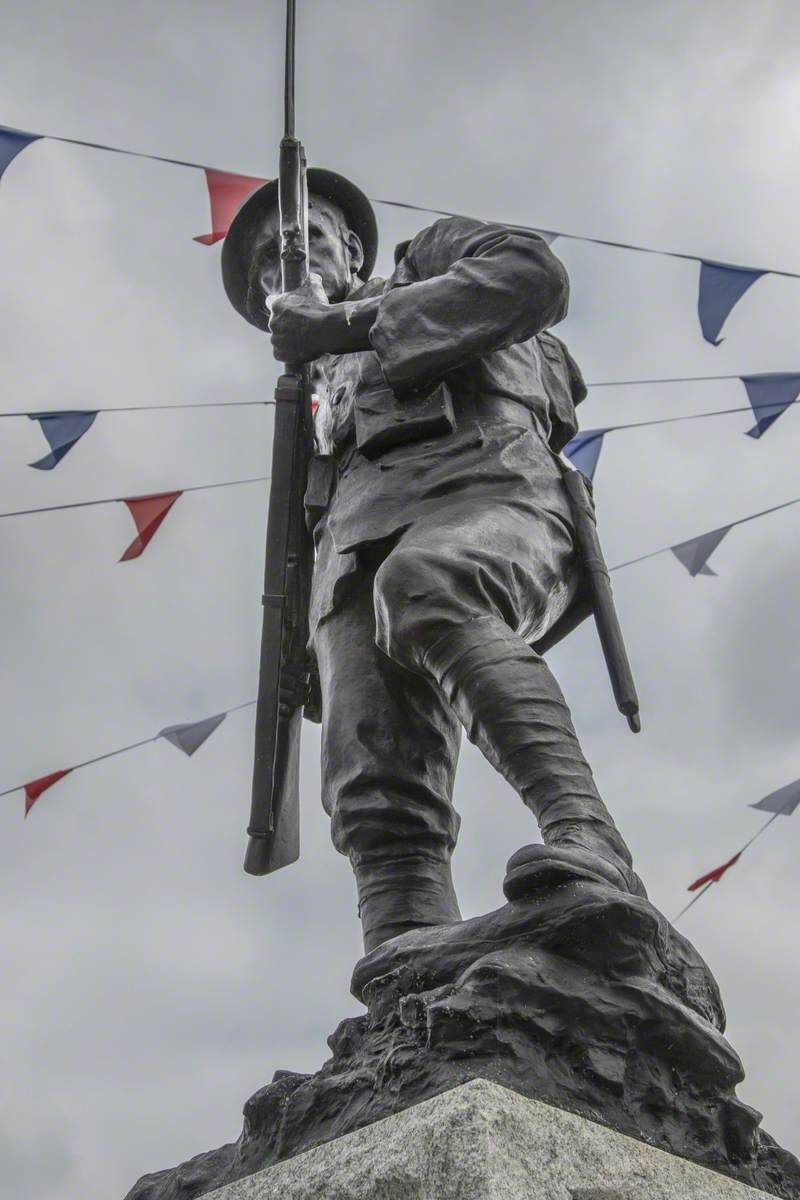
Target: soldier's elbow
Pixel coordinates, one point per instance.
(543, 283)
(552, 295)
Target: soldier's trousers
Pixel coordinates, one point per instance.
(431, 634)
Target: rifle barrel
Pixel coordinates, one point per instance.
(274, 829)
(288, 110)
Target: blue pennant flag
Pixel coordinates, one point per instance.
(769, 396)
(695, 553)
(62, 430)
(11, 142)
(720, 289)
(189, 738)
(785, 800)
(584, 450)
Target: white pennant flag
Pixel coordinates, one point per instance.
(189, 738)
(695, 553)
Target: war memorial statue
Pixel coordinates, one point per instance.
(426, 545)
(445, 562)
(444, 538)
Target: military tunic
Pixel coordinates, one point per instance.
(438, 502)
(468, 304)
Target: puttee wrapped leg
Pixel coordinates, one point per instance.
(512, 708)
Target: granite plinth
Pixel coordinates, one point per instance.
(575, 995)
(481, 1141)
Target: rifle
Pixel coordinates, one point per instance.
(274, 829)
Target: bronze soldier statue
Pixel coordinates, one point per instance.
(444, 539)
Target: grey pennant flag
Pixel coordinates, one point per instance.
(695, 553)
(189, 738)
(785, 800)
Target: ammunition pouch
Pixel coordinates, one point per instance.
(384, 420)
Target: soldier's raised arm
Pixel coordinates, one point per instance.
(468, 288)
(462, 289)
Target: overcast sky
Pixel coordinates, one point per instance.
(149, 985)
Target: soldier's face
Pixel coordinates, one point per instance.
(334, 252)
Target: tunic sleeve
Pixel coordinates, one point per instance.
(474, 288)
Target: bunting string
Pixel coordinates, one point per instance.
(669, 379)
(187, 737)
(769, 394)
(781, 804)
(64, 428)
(147, 407)
(584, 449)
(148, 512)
(695, 552)
(579, 237)
(191, 404)
(721, 284)
(15, 140)
(199, 487)
(717, 412)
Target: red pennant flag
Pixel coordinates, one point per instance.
(148, 512)
(226, 193)
(715, 875)
(34, 789)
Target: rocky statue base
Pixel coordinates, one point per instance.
(572, 994)
(483, 1142)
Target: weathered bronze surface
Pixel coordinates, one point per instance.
(445, 554)
(445, 549)
(579, 995)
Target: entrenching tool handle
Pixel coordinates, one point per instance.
(599, 585)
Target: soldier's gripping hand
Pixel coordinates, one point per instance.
(295, 687)
(299, 322)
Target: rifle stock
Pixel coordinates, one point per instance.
(274, 837)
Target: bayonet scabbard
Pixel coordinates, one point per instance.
(598, 585)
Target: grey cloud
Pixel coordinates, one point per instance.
(37, 1160)
(149, 985)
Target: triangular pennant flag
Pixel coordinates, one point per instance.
(62, 430)
(148, 512)
(695, 553)
(227, 193)
(189, 738)
(720, 289)
(785, 800)
(769, 396)
(34, 789)
(11, 142)
(715, 875)
(584, 450)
